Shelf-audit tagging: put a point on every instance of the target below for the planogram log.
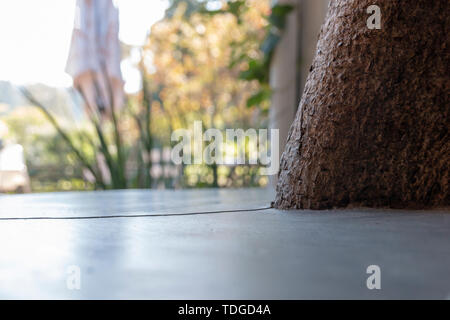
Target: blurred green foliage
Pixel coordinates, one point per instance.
(50, 163)
(198, 64)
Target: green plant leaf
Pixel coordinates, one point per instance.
(278, 16)
(259, 97)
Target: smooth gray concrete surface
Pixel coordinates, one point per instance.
(267, 254)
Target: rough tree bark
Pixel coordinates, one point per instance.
(372, 127)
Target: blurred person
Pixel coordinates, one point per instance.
(13, 170)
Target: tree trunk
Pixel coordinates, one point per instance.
(372, 126)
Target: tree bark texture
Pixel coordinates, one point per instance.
(372, 126)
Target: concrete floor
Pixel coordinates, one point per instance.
(267, 254)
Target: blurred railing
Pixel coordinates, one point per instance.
(164, 175)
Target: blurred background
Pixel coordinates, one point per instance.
(75, 118)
